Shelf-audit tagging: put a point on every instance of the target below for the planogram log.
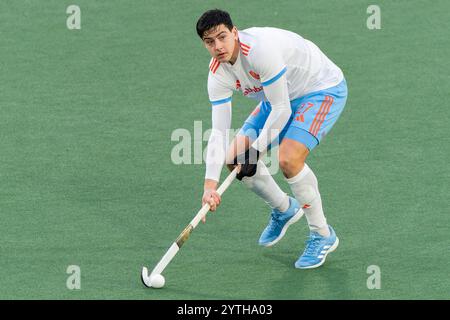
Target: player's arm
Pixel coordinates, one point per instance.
(276, 92)
(217, 143)
(220, 98)
(271, 68)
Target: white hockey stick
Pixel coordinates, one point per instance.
(172, 251)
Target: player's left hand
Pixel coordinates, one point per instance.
(212, 197)
(248, 163)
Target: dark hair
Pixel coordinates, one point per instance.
(211, 19)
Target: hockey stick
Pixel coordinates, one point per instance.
(182, 238)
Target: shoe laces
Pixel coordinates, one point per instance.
(275, 220)
(312, 244)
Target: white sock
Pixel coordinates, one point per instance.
(306, 190)
(263, 184)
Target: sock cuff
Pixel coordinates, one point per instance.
(306, 169)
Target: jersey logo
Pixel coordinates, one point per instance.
(254, 74)
(238, 84)
(214, 65)
(301, 111)
(245, 48)
(254, 89)
(300, 117)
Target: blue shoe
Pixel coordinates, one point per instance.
(279, 222)
(317, 248)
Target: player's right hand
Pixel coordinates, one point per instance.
(211, 197)
(248, 161)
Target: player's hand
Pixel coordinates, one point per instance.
(211, 197)
(248, 162)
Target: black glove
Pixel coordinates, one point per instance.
(248, 162)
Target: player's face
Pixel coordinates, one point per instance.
(221, 43)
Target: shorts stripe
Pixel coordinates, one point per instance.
(317, 114)
(320, 116)
(324, 114)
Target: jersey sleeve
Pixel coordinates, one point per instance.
(219, 91)
(277, 94)
(218, 140)
(268, 62)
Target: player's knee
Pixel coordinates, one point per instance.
(292, 157)
(284, 162)
(290, 165)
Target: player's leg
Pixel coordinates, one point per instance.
(285, 210)
(314, 117)
(303, 182)
(262, 183)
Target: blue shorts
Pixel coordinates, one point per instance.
(313, 116)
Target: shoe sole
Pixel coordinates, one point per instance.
(332, 248)
(293, 220)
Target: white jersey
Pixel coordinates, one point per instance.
(273, 65)
(264, 54)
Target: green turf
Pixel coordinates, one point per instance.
(86, 118)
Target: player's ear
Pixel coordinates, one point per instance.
(235, 33)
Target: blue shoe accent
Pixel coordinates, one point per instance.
(279, 222)
(317, 248)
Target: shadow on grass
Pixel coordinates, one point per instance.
(329, 281)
